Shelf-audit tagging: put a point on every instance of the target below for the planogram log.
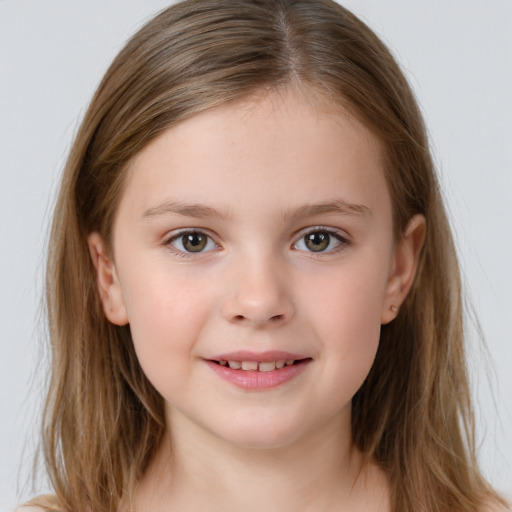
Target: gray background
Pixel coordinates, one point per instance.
(458, 56)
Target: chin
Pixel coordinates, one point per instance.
(262, 440)
(262, 434)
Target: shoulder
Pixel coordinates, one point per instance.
(47, 503)
(30, 508)
(497, 507)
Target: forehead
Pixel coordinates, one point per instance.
(272, 148)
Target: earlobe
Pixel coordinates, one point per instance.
(107, 281)
(403, 271)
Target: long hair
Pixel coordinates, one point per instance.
(103, 419)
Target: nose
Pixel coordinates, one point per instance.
(259, 296)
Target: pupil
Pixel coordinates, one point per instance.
(194, 242)
(317, 241)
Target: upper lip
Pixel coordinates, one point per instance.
(261, 357)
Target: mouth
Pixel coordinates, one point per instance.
(255, 372)
(260, 366)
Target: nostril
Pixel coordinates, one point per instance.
(275, 318)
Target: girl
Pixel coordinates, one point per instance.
(253, 294)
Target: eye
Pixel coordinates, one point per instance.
(192, 242)
(321, 240)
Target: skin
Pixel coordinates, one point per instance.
(258, 286)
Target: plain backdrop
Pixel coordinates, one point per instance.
(456, 53)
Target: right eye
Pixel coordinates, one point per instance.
(192, 242)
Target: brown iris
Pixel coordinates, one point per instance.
(194, 242)
(317, 241)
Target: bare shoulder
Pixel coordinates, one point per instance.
(47, 503)
(497, 507)
(30, 508)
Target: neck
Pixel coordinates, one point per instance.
(194, 470)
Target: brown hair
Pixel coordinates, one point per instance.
(103, 419)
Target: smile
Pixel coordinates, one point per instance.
(253, 372)
(263, 366)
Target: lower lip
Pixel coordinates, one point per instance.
(255, 380)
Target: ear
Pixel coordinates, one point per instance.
(107, 281)
(403, 269)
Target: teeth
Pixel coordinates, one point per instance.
(267, 367)
(254, 365)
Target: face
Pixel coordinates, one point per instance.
(254, 260)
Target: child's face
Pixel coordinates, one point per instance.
(288, 255)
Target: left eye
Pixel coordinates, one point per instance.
(192, 242)
(320, 241)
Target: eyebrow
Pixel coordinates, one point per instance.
(200, 211)
(196, 210)
(334, 206)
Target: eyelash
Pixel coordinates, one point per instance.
(168, 242)
(338, 235)
(332, 233)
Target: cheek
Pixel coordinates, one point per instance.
(350, 329)
(166, 314)
(349, 301)
(347, 310)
